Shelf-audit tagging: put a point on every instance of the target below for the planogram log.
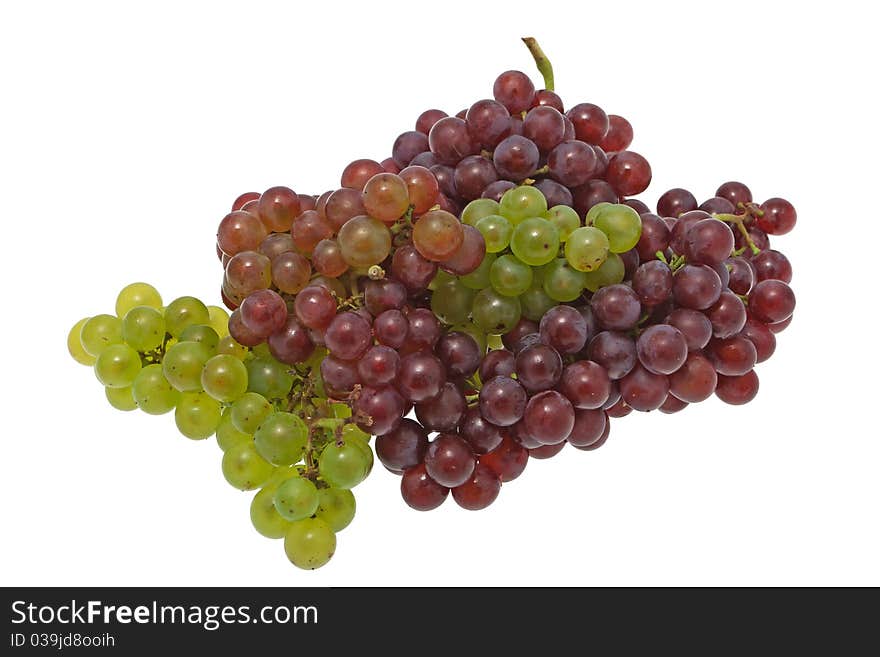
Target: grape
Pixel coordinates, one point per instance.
(654, 237)
(281, 438)
(459, 353)
(538, 367)
(240, 333)
(75, 346)
(762, 337)
(379, 366)
(357, 173)
(244, 468)
(404, 447)
(202, 334)
(264, 517)
(619, 409)
(672, 404)
(534, 302)
(617, 307)
(619, 135)
(535, 241)
(391, 328)
(652, 282)
(449, 460)
(477, 209)
(585, 384)
(590, 122)
(450, 140)
(494, 191)
(759, 239)
(309, 543)
(264, 312)
(421, 376)
(737, 389)
(437, 235)
(589, 426)
(364, 241)
(315, 307)
(586, 248)
(240, 231)
(502, 401)
(197, 415)
(469, 255)
(495, 313)
(562, 282)
(514, 90)
(708, 242)
(732, 356)
(407, 146)
(676, 202)
(545, 126)
(443, 412)
(244, 198)
(339, 376)
(268, 377)
(386, 197)
(291, 344)
(488, 122)
(556, 194)
(741, 274)
(410, 268)
(770, 301)
(277, 207)
(565, 219)
(296, 499)
(275, 244)
(225, 378)
(184, 312)
(728, 315)
(549, 417)
(520, 203)
(481, 435)
(779, 216)
(498, 362)
(422, 188)
(472, 175)
(342, 205)
(621, 224)
(508, 460)
(694, 326)
(644, 390)
(509, 276)
(480, 490)
(383, 406)
(183, 363)
(592, 193)
(614, 351)
(564, 329)
(445, 177)
(661, 348)
(496, 232)
(695, 380)
(121, 398)
(249, 411)
(143, 328)
(546, 451)
(696, 287)
(424, 328)
(572, 163)
(336, 507)
(152, 392)
(348, 336)
(137, 294)
(308, 229)
(735, 192)
(516, 158)
(420, 491)
(717, 205)
(327, 259)
(769, 264)
(98, 333)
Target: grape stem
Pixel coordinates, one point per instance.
(543, 64)
(661, 257)
(739, 220)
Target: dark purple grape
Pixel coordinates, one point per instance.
(728, 315)
(472, 175)
(675, 202)
(502, 401)
(384, 294)
(547, 97)
(770, 264)
(404, 447)
(695, 380)
(546, 451)
(424, 328)
(428, 118)
(643, 390)
(585, 384)
(628, 173)
(696, 287)
(770, 301)
(545, 126)
(735, 192)
(264, 312)
(521, 329)
(451, 142)
(379, 366)
(737, 389)
(590, 122)
(426, 159)
(589, 425)
(521, 436)
(572, 163)
(661, 349)
(741, 276)
(592, 193)
(538, 367)
(617, 307)
(459, 353)
(339, 376)
(760, 335)
(672, 404)
(652, 282)
(564, 329)
(717, 205)
(614, 351)
(315, 307)
(449, 460)
(655, 237)
(679, 229)
(348, 336)
(618, 409)
(508, 460)
(407, 146)
(732, 356)
(391, 328)
(421, 376)
(549, 417)
(619, 135)
(496, 189)
(631, 262)
(708, 242)
(479, 491)
(443, 412)
(555, 193)
(602, 439)
(469, 255)
(516, 158)
(488, 122)
(445, 177)
(382, 410)
(421, 492)
(291, 344)
(779, 217)
(514, 90)
(694, 326)
(637, 205)
(412, 269)
(482, 435)
(498, 362)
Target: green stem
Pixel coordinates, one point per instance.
(739, 220)
(543, 64)
(661, 257)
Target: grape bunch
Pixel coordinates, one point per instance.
(490, 293)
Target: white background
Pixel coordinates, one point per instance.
(128, 129)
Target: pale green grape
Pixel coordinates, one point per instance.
(594, 212)
(535, 241)
(611, 272)
(355, 438)
(201, 333)
(265, 517)
(117, 366)
(477, 209)
(282, 473)
(152, 392)
(562, 282)
(452, 301)
(281, 438)
(183, 364)
(521, 203)
(586, 248)
(249, 411)
(244, 468)
(183, 312)
(494, 342)
(565, 219)
(479, 277)
(218, 320)
(296, 499)
(268, 377)
(225, 378)
(309, 543)
(439, 279)
(99, 332)
(137, 294)
(227, 435)
(143, 328)
(121, 398)
(496, 232)
(343, 466)
(262, 351)
(336, 507)
(535, 302)
(622, 225)
(75, 346)
(495, 313)
(197, 415)
(228, 345)
(509, 276)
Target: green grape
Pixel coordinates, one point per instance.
(183, 364)
(364, 241)
(336, 507)
(474, 331)
(225, 378)
(451, 302)
(262, 351)
(565, 219)
(509, 276)
(496, 232)
(201, 333)
(341, 411)
(317, 357)
(75, 346)
(439, 279)
(249, 411)
(477, 209)
(117, 366)
(137, 294)
(343, 466)
(281, 438)
(521, 203)
(296, 499)
(99, 332)
(143, 328)
(622, 225)
(479, 277)
(121, 398)
(268, 377)
(535, 302)
(197, 415)
(281, 473)
(535, 241)
(227, 435)
(152, 392)
(244, 468)
(183, 312)
(495, 313)
(586, 248)
(218, 319)
(351, 438)
(228, 345)
(494, 342)
(594, 212)
(264, 517)
(309, 543)
(610, 273)
(562, 282)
